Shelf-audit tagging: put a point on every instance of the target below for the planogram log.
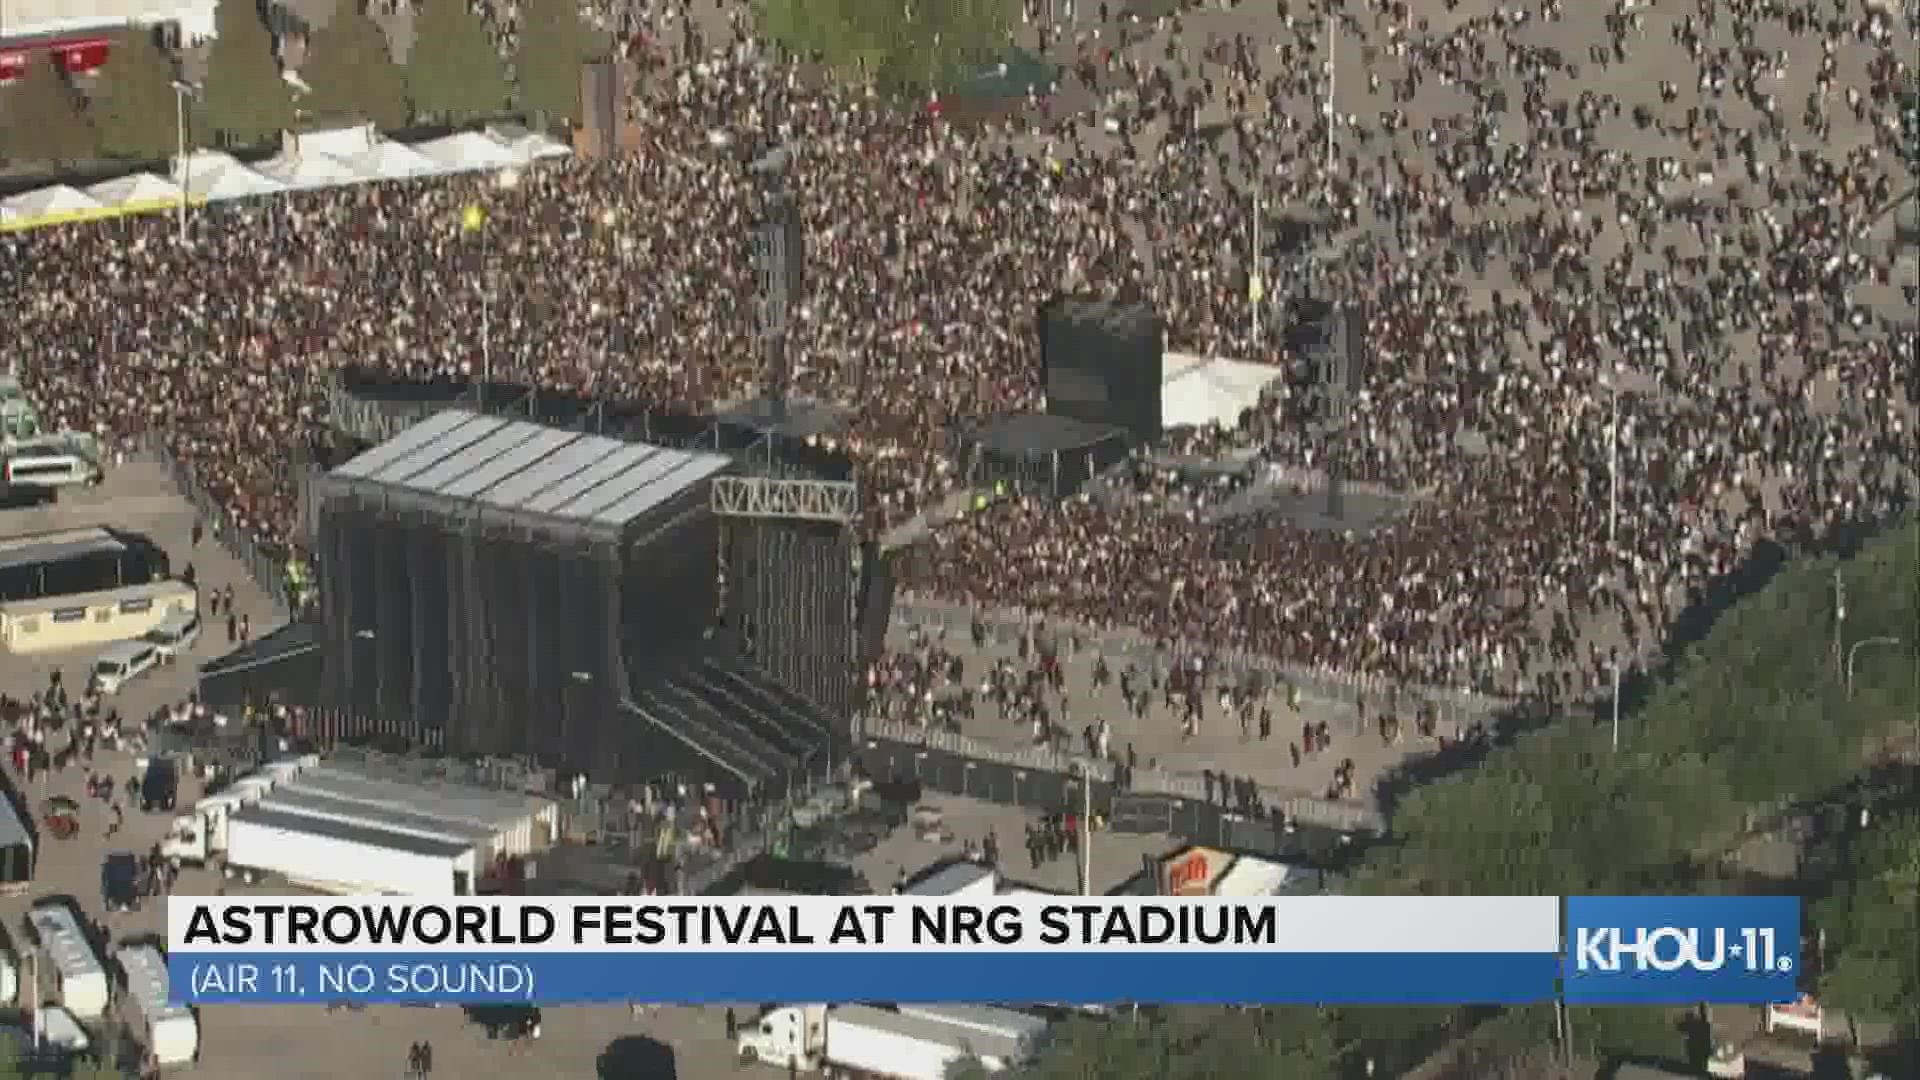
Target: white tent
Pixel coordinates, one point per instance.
(527, 146)
(136, 191)
(1196, 391)
(304, 171)
(468, 151)
(392, 161)
(47, 201)
(234, 182)
(6, 215)
(200, 166)
(341, 143)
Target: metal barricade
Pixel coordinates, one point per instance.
(1324, 684)
(1345, 816)
(267, 570)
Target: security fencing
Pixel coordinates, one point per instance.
(1341, 688)
(265, 563)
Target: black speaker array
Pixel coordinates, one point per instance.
(1101, 363)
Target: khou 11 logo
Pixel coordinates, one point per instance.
(1678, 950)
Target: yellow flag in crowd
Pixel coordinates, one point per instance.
(472, 218)
(1256, 289)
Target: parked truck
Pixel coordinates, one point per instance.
(342, 858)
(170, 1032)
(860, 1041)
(1020, 1028)
(199, 837)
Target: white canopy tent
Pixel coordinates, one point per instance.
(340, 143)
(468, 151)
(306, 171)
(137, 191)
(393, 161)
(201, 165)
(527, 146)
(1196, 391)
(58, 199)
(234, 182)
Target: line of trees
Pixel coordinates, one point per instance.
(1753, 717)
(452, 75)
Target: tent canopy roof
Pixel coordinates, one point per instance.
(1196, 391)
(138, 187)
(51, 200)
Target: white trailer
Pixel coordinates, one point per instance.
(959, 880)
(521, 824)
(172, 1034)
(335, 857)
(80, 977)
(306, 803)
(1020, 1028)
(862, 1041)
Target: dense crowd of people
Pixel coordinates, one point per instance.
(1672, 243)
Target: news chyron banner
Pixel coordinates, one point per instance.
(1320, 950)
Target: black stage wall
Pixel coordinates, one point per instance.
(485, 638)
(1102, 363)
(790, 605)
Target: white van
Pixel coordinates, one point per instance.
(123, 663)
(176, 634)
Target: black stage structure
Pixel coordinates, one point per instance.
(497, 584)
(1038, 454)
(1103, 362)
(492, 586)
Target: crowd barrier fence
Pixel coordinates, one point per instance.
(267, 570)
(1342, 815)
(1338, 687)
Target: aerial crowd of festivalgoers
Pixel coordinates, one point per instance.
(1622, 326)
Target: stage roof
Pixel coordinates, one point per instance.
(516, 467)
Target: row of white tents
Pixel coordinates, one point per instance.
(306, 161)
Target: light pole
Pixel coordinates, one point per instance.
(182, 90)
(1332, 112)
(1086, 826)
(1854, 651)
(1616, 706)
(1613, 466)
(1839, 616)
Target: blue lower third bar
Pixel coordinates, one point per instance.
(695, 978)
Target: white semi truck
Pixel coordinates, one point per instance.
(198, 837)
(344, 858)
(860, 1041)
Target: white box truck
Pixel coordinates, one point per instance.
(862, 1041)
(171, 1033)
(80, 977)
(341, 858)
(1020, 1028)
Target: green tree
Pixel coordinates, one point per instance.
(454, 74)
(898, 47)
(351, 70)
(1872, 923)
(134, 115)
(546, 67)
(44, 121)
(246, 100)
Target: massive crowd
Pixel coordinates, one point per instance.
(1672, 234)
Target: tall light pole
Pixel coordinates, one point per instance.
(1613, 468)
(1086, 827)
(1839, 617)
(1332, 112)
(182, 90)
